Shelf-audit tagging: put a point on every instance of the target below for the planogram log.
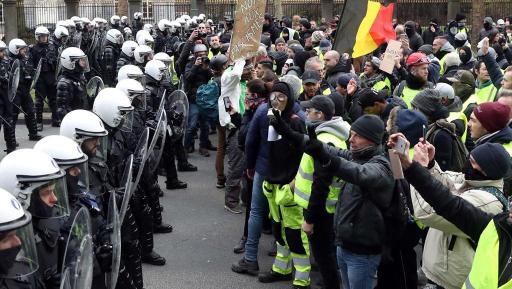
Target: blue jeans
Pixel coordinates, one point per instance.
(193, 119)
(259, 209)
(357, 271)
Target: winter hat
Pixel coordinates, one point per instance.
(464, 77)
(282, 87)
(410, 123)
(493, 159)
(325, 44)
(294, 83)
(317, 36)
(427, 49)
(280, 40)
(460, 17)
(368, 96)
(370, 127)
(461, 39)
(445, 90)
(296, 48)
(452, 59)
(344, 79)
(305, 22)
(488, 20)
(493, 116)
(427, 101)
(321, 103)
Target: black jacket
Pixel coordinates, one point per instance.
(70, 93)
(468, 218)
(358, 221)
(195, 76)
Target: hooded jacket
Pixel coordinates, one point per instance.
(322, 177)
(448, 252)
(332, 75)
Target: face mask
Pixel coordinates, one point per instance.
(460, 24)
(487, 26)
(409, 31)
(266, 26)
(465, 58)
(73, 187)
(312, 123)
(38, 208)
(8, 256)
(472, 174)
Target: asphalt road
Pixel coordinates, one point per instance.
(199, 252)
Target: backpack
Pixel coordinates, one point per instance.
(397, 215)
(207, 100)
(460, 152)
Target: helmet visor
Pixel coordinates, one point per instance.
(50, 199)
(81, 63)
(20, 259)
(138, 99)
(78, 178)
(126, 120)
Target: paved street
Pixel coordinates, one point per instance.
(199, 251)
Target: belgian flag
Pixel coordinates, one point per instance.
(363, 27)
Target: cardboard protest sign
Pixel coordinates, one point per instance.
(249, 16)
(388, 62)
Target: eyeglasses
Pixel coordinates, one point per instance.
(311, 110)
(278, 96)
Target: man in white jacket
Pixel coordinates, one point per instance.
(448, 252)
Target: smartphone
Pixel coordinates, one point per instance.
(400, 146)
(424, 135)
(227, 103)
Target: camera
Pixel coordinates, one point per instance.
(205, 60)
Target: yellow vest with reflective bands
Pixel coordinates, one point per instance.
(319, 53)
(485, 94)
(304, 178)
(456, 116)
(408, 95)
(485, 269)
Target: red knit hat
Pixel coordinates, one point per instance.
(493, 116)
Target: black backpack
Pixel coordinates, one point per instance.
(460, 152)
(398, 214)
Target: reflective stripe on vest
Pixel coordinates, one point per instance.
(408, 95)
(319, 53)
(383, 84)
(441, 63)
(304, 178)
(485, 94)
(485, 269)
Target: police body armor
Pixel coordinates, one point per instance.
(122, 61)
(71, 93)
(109, 63)
(48, 240)
(6, 107)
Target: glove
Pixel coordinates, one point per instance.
(315, 148)
(284, 129)
(104, 257)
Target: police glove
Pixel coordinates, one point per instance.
(284, 129)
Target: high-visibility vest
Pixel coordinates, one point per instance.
(508, 148)
(484, 272)
(460, 116)
(408, 95)
(441, 63)
(481, 95)
(319, 53)
(304, 178)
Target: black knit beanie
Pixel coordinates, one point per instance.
(370, 127)
(282, 87)
(493, 159)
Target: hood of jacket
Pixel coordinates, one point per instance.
(456, 105)
(502, 136)
(336, 126)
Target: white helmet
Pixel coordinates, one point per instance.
(201, 16)
(36, 180)
(40, 31)
(60, 31)
(15, 45)
(112, 106)
(3, 46)
(129, 47)
(175, 24)
(143, 53)
(85, 20)
(185, 17)
(135, 92)
(156, 69)
(164, 25)
(148, 27)
(114, 19)
(80, 125)
(164, 57)
(144, 38)
(124, 19)
(130, 71)
(209, 21)
(115, 36)
(76, 19)
(72, 58)
(63, 150)
(181, 21)
(127, 31)
(16, 225)
(137, 15)
(70, 24)
(61, 23)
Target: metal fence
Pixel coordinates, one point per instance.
(95, 9)
(31, 15)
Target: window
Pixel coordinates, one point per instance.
(147, 9)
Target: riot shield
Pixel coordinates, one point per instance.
(176, 108)
(57, 70)
(65, 283)
(14, 79)
(114, 228)
(139, 158)
(156, 146)
(126, 181)
(36, 74)
(94, 86)
(78, 257)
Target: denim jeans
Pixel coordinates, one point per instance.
(259, 209)
(357, 271)
(193, 119)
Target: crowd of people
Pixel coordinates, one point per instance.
(349, 167)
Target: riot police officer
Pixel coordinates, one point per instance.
(126, 56)
(71, 84)
(114, 40)
(115, 23)
(39, 184)
(18, 53)
(162, 35)
(5, 103)
(142, 55)
(17, 238)
(46, 82)
(137, 23)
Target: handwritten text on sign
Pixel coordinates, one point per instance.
(249, 17)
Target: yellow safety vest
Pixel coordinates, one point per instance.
(485, 269)
(508, 148)
(460, 115)
(408, 95)
(304, 178)
(441, 63)
(481, 95)
(319, 53)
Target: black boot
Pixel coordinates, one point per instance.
(162, 228)
(32, 127)
(154, 259)
(10, 137)
(175, 185)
